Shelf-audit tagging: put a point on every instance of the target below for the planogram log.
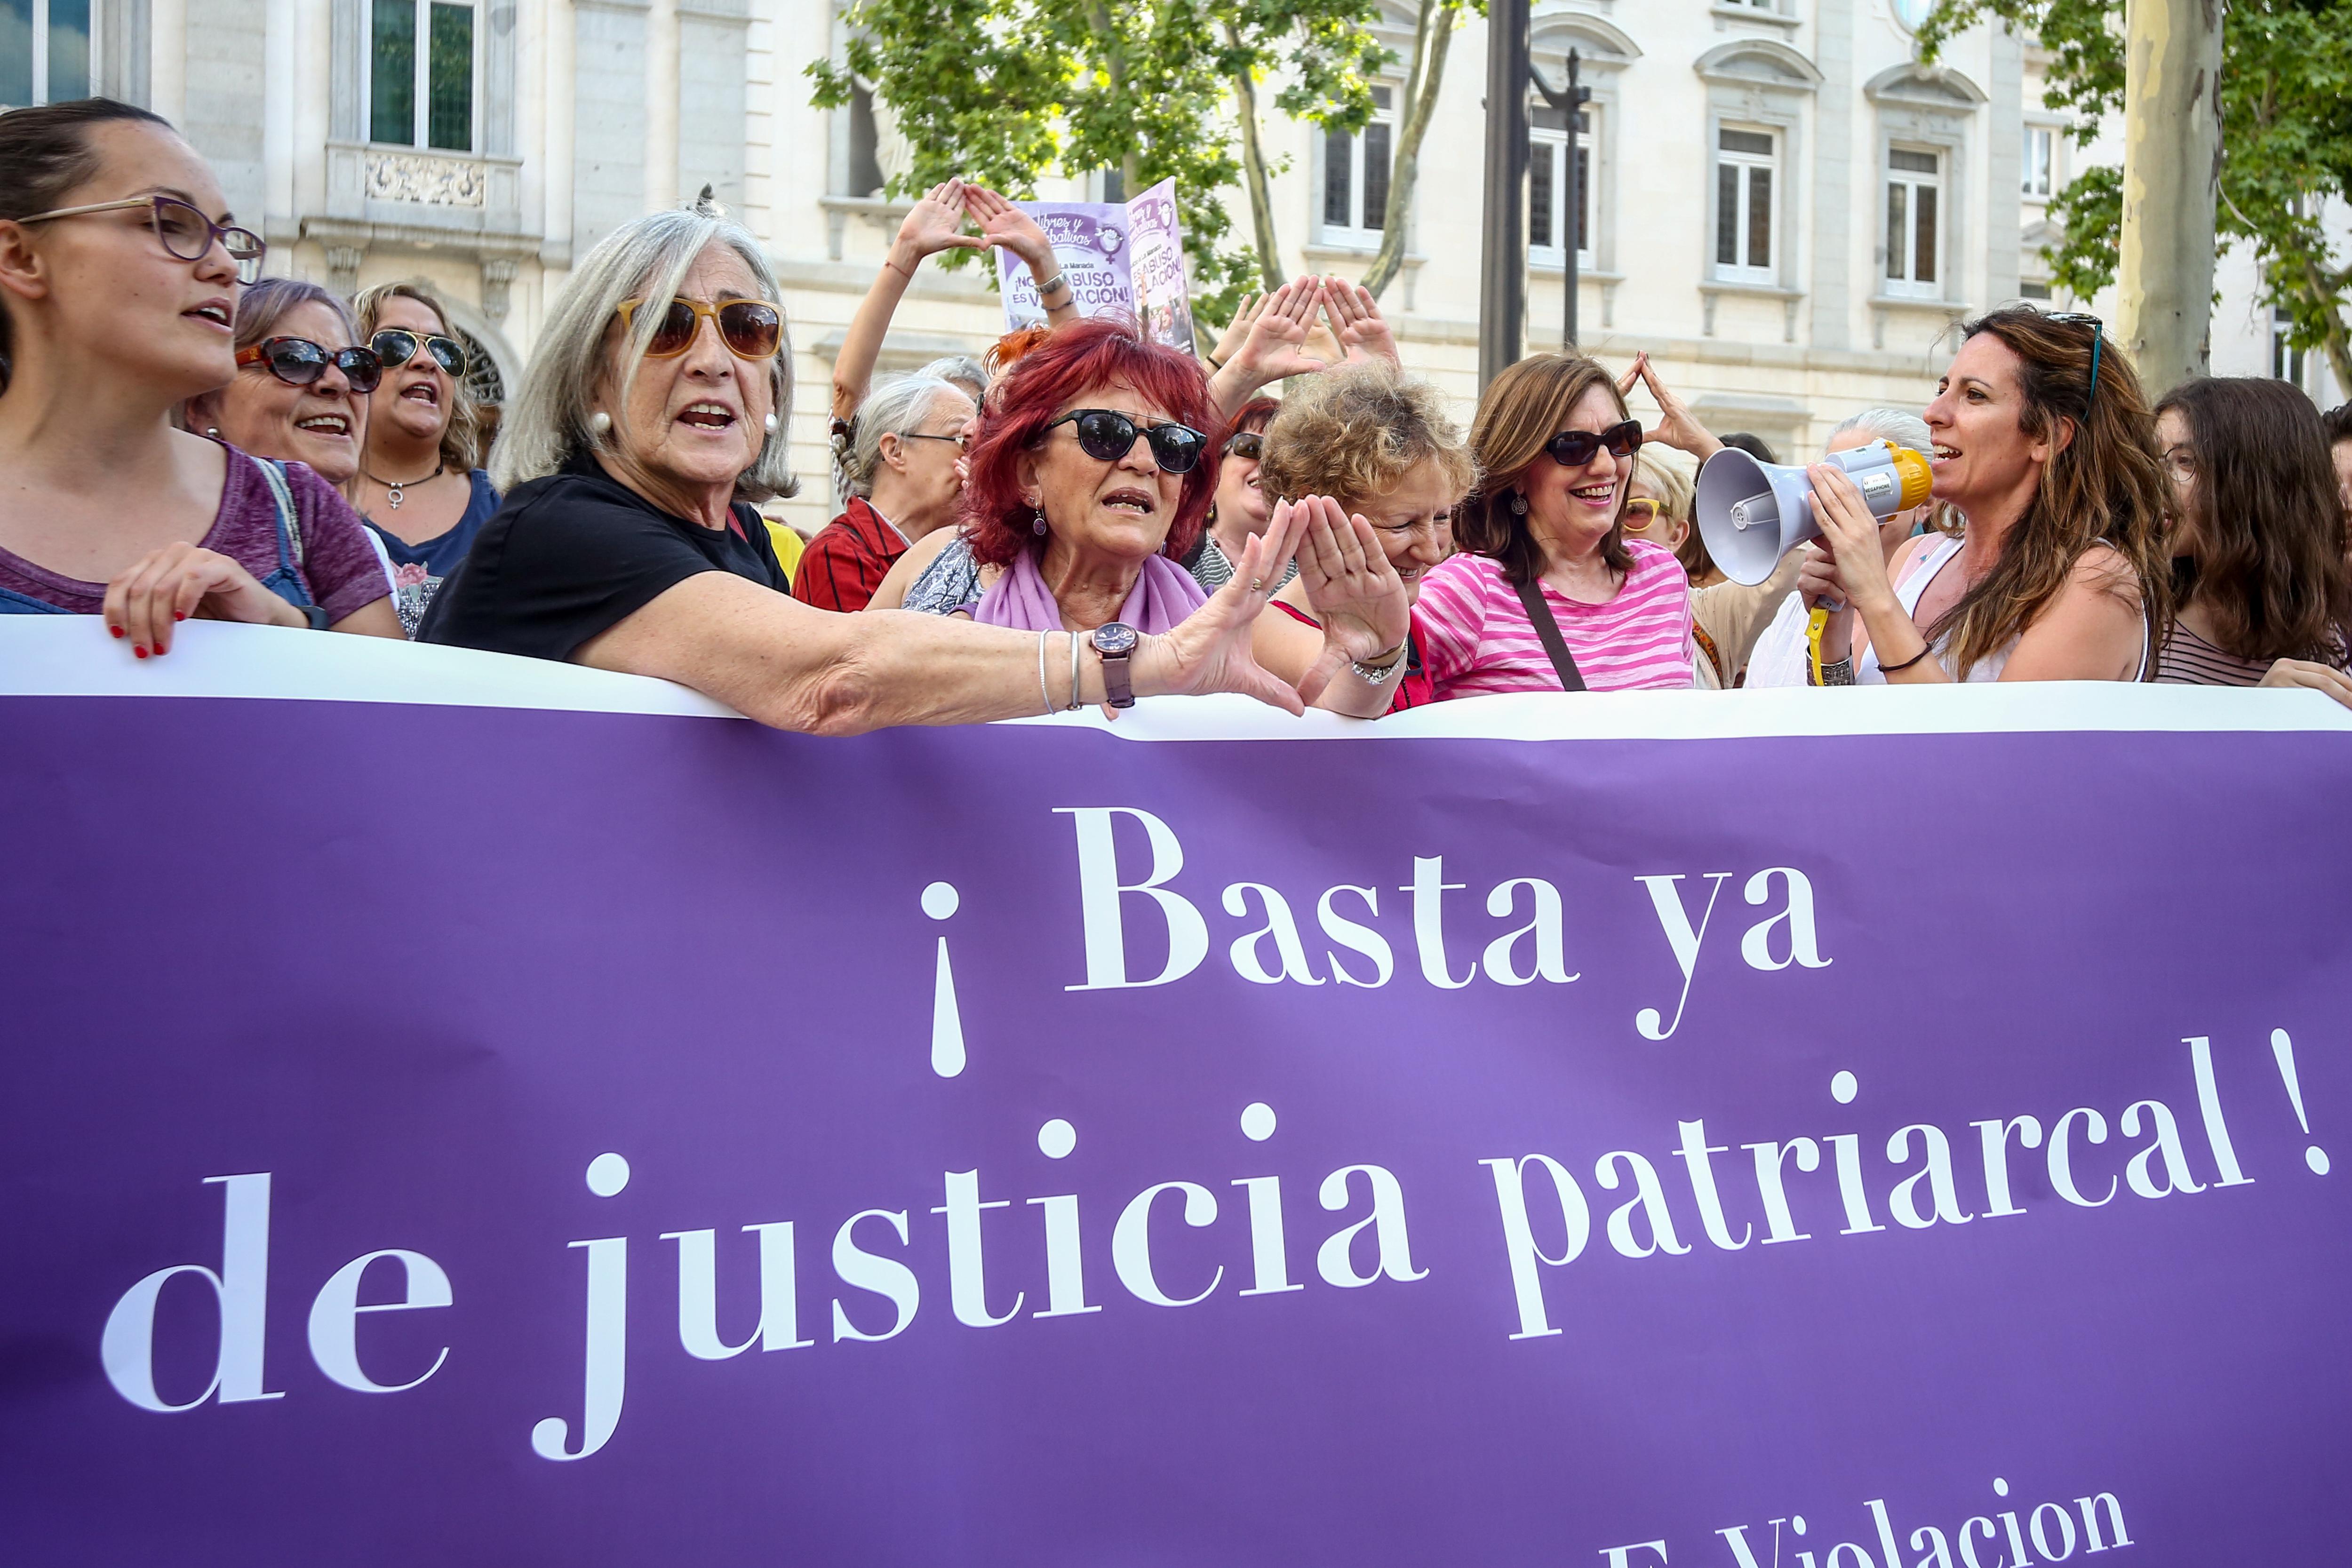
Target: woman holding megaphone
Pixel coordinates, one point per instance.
(2044, 445)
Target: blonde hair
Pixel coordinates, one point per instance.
(1356, 431)
(461, 438)
(1667, 482)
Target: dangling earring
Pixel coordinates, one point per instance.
(1519, 505)
(1038, 528)
(599, 423)
(771, 424)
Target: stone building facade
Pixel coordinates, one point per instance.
(1782, 205)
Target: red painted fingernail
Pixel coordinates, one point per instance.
(138, 650)
(116, 629)
(177, 616)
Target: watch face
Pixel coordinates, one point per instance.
(1115, 638)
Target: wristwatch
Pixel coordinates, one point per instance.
(1115, 641)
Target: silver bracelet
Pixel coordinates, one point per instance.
(1075, 703)
(1042, 690)
(1840, 673)
(1377, 672)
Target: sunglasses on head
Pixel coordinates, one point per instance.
(2099, 338)
(1106, 435)
(396, 346)
(300, 363)
(1574, 448)
(185, 233)
(751, 329)
(1246, 443)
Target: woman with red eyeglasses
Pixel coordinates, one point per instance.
(119, 267)
(1547, 593)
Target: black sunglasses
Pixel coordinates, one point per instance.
(2099, 338)
(1246, 444)
(1106, 435)
(1574, 448)
(298, 361)
(396, 347)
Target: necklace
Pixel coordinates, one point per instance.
(394, 488)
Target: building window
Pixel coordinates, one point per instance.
(2286, 361)
(1745, 165)
(2033, 288)
(421, 75)
(2040, 161)
(44, 51)
(1356, 176)
(864, 144)
(1914, 200)
(1547, 215)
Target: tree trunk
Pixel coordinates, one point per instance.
(2172, 167)
(1429, 40)
(1115, 68)
(2337, 344)
(1269, 252)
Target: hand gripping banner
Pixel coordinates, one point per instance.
(465, 1111)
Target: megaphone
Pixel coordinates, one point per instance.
(1752, 514)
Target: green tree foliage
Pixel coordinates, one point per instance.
(1006, 91)
(2286, 143)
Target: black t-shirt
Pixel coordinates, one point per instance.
(574, 554)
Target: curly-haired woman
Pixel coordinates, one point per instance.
(1380, 445)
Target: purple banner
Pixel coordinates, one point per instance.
(503, 1136)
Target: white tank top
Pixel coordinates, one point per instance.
(1907, 593)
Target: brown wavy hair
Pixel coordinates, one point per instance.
(1355, 431)
(1525, 407)
(461, 438)
(2104, 484)
(2266, 520)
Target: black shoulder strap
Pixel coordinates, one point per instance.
(1531, 597)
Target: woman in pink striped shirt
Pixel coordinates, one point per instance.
(1545, 554)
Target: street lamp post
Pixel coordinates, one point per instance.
(1503, 257)
(1570, 103)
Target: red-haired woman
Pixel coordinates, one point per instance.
(1090, 480)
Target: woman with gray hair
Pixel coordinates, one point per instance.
(1783, 655)
(649, 416)
(904, 468)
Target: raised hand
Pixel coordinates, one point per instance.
(1209, 650)
(1276, 344)
(1677, 427)
(1006, 226)
(1236, 329)
(166, 586)
(1363, 333)
(936, 224)
(1350, 585)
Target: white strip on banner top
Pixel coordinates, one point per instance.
(71, 655)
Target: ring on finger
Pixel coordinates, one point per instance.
(1256, 583)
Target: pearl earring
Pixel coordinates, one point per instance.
(1038, 528)
(1519, 505)
(600, 421)
(771, 424)
(213, 431)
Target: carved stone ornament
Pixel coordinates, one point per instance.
(430, 181)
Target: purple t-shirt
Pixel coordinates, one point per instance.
(339, 566)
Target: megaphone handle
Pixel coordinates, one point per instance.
(1816, 624)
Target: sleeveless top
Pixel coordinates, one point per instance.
(1907, 593)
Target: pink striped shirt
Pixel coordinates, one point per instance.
(1476, 639)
